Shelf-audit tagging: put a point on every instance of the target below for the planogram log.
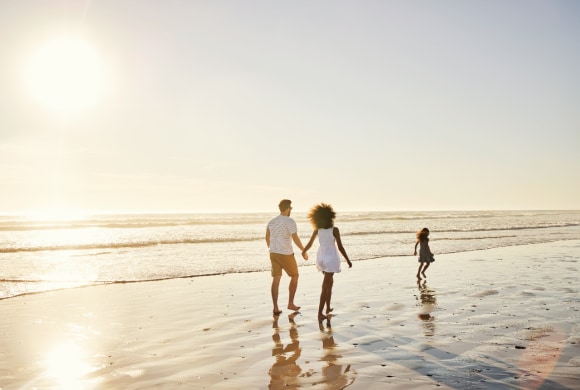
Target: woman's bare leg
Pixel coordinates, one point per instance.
(330, 283)
(325, 294)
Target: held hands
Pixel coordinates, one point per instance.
(305, 254)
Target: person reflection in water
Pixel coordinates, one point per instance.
(285, 370)
(427, 303)
(333, 376)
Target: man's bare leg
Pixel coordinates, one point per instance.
(274, 289)
(292, 292)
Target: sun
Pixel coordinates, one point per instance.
(65, 75)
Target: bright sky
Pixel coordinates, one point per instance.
(233, 105)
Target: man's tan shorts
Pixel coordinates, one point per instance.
(283, 262)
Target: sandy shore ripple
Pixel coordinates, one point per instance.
(499, 318)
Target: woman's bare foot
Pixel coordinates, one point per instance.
(321, 317)
(293, 307)
(328, 311)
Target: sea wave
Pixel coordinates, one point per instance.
(128, 224)
(120, 245)
(468, 229)
(155, 241)
(143, 221)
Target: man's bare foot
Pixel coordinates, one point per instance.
(277, 312)
(293, 307)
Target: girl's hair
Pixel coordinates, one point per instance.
(322, 216)
(423, 234)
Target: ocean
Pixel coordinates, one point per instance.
(44, 255)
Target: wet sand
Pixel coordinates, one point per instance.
(499, 318)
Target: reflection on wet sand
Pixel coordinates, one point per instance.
(284, 372)
(334, 377)
(67, 365)
(427, 303)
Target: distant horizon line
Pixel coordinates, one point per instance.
(71, 213)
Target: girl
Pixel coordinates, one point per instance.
(425, 255)
(322, 217)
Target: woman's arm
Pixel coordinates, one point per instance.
(311, 241)
(336, 234)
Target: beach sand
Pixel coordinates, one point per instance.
(499, 318)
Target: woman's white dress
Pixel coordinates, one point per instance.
(327, 257)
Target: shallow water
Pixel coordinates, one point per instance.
(41, 255)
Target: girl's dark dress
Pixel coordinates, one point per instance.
(424, 253)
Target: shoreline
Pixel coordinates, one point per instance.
(300, 265)
(494, 318)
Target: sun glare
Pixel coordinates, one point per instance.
(67, 365)
(65, 75)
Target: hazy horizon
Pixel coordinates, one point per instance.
(80, 214)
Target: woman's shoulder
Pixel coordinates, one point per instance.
(330, 230)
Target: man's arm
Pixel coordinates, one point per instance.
(268, 237)
(297, 241)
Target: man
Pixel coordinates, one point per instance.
(280, 233)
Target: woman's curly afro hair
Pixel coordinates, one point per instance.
(322, 216)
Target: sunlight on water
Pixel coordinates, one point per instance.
(63, 270)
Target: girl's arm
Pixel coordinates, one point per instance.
(416, 244)
(336, 234)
